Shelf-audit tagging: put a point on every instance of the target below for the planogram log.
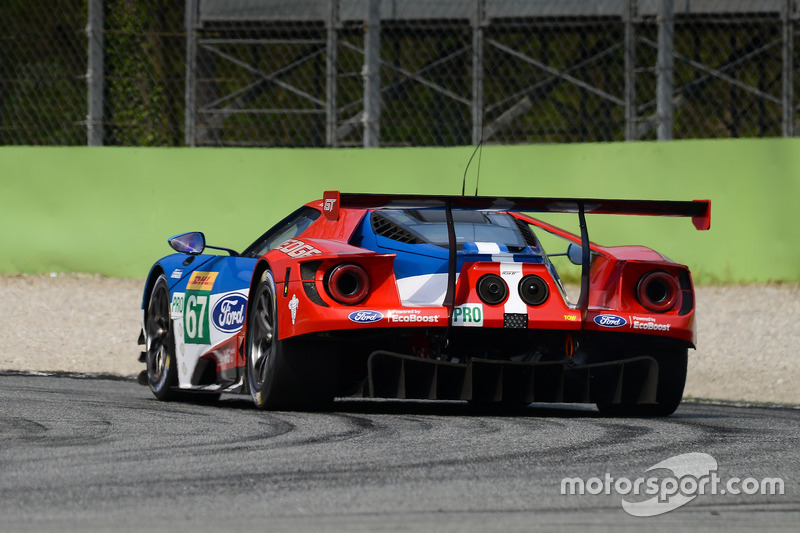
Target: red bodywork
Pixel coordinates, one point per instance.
(614, 275)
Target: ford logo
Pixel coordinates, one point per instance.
(365, 317)
(610, 321)
(228, 314)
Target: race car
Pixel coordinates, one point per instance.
(424, 297)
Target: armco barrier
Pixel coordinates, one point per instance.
(110, 210)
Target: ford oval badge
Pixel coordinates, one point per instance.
(610, 321)
(228, 314)
(365, 317)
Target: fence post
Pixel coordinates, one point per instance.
(372, 75)
(95, 74)
(630, 70)
(477, 72)
(190, 106)
(787, 18)
(664, 68)
(331, 73)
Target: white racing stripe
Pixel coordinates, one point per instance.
(512, 274)
(488, 248)
(427, 289)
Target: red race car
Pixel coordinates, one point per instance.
(428, 297)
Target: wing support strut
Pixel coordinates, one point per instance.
(586, 256)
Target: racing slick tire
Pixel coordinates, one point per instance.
(281, 373)
(671, 381)
(162, 367)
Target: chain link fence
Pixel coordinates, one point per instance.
(395, 72)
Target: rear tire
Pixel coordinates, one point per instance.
(671, 381)
(281, 373)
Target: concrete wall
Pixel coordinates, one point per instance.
(110, 210)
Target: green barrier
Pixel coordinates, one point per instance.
(110, 210)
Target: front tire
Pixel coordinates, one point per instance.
(262, 344)
(162, 367)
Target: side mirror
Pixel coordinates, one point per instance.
(575, 254)
(192, 243)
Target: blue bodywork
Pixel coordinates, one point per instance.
(424, 258)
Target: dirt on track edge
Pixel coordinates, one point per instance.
(86, 324)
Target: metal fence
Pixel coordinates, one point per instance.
(395, 72)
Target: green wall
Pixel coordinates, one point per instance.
(110, 210)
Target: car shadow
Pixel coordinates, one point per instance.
(382, 406)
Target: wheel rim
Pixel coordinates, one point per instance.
(158, 331)
(262, 338)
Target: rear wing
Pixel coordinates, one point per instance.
(698, 210)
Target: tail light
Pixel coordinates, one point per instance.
(657, 291)
(492, 289)
(533, 290)
(348, 283)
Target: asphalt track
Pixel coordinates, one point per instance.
(104, 455)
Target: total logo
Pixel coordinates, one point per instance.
(610, 321)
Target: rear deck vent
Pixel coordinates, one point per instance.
(386, 228)
(527, 233)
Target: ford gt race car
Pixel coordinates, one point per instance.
(425, 297)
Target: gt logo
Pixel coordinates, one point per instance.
(469, 315)
(296, 249)
(330, 205)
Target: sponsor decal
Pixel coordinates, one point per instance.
(201, 281)
(610, 321)
(330, 205)
(469, 315)
(177, 304)
(412, 316)
(365, 317)
(228, 314)
(195, 318)
(177, 273)
(648, 323)
(297, 249)
(227, 358)
(293, 303)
